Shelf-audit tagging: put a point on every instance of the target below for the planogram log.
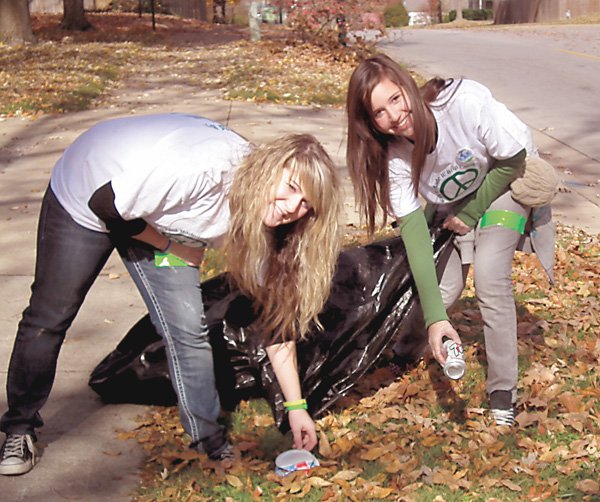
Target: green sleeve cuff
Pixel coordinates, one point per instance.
(495, 183)
(419, 250)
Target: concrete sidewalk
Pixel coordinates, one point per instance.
(83, 459)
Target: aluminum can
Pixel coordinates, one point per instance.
(455, 366)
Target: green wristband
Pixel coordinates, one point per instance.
(507, 219)
(295, 405)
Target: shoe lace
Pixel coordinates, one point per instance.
(504, 417)
(14, 446)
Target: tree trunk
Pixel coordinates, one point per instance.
(202, 10)
(74, 16)
(459, 16)
(15, 23)
(219, 11)
(435, 9)
(253, 21)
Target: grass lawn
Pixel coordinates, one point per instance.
(421, 437)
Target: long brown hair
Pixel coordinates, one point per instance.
(288, 270)
(367, 148)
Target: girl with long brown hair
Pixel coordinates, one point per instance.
(451, 143)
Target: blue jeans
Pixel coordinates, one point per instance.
(69, 258)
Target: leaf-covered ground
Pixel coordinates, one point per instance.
(421, 437)
(68, 71)
(413, 437)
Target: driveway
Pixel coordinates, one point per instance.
(546, 74)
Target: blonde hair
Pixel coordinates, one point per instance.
(287, 270)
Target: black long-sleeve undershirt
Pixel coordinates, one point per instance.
(102, 204)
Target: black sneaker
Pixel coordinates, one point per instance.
(18, 454)
(226, 454)
(217, 447)
(502, 407)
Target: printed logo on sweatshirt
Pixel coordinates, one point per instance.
(455, 181)
(456, 185)
(465, 157)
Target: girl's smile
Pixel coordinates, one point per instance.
(391, 110)
(289, 203)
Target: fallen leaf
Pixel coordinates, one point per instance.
(571, 402)
(588, 486)
(234, 481)
(373, 453)
(319, 482)
(263, 420)
(324, 445)
(510, 485)
(347, 475)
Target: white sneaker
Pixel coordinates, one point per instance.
(502, 407)
(18, 454)
(504, 417)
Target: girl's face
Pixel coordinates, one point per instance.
(391, 108)
(288, 202)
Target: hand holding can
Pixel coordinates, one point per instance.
(455, 366)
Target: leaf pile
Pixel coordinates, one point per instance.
(68, 71)
(420, 436)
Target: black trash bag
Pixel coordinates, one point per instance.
(136, 371)
(372, 298)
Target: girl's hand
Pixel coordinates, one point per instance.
(303, 429)
(285, 366)
(456, 225)
(436, 332)
(192, 256)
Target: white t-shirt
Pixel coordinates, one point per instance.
(172, 170)
(473, 130)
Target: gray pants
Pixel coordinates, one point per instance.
(491, 251)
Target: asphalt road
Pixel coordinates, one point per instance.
(548, 75)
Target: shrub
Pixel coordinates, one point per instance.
(333, 24)
(477, 14)
(395, 15)
(472, 14)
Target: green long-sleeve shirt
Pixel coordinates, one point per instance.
(417, 241)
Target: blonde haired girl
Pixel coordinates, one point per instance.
(157, 189)
(286, 269)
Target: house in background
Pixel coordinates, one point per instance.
(532, 11)
(416, 9)
(520, 11)
(419, 12)
(448, 5)
(56, 6)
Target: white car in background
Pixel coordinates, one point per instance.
(418, 19)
